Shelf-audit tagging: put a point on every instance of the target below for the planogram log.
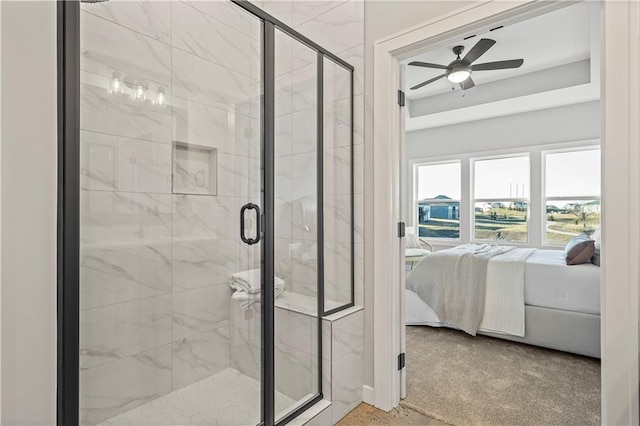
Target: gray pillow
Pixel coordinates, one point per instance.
(579, 250)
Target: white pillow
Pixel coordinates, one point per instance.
(596, 238)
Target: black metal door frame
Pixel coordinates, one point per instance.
(68, 246)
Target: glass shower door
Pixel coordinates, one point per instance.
(171, 192)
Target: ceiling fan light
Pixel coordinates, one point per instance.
(458, 75)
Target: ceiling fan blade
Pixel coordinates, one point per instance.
(424, 83)
(478, 50)
(499, 65)
(467, 84)
(427, 65)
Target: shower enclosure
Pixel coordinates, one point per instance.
(202, 144)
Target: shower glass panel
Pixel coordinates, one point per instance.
(170, 153)
(338, 186)
(296, 223)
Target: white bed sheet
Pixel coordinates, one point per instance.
(550, 283)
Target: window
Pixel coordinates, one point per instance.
(438, 200)
(572, 193)
(501, 198)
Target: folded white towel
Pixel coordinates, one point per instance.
(250, 281)
(247, 299)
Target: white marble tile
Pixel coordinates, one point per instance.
(304, 289)
(283, 135)
(294, 372)
(246, 136)
(303, 11)
(304, 218)
(208, 38)
(322, 419)
(359, 268)
(346, 383)
(200, 124)
(338, 29)
(304, 174)
(283, 95)
(203, 81)
(358, 226)
(107, 47)
(118, 115)
(304, 134)
(204, 216)
(122, 217)
(355, 57)
(199, 310)
(279, 9)
(121, 274)
(151, 18)
(115, 331)
(209, 262)
(337, 271)
(228, 13)
(337, 218)
(358, 169)
(282, 219)
(295, 330)
(337, 124)
(304, 262)
(283, 179)
(283, 45)
(238, 176)
(347, 334)
(120, 164)
(304, 87)
(246, 351)
(200, 356)
(118, 386)
(337, 81)
(337, 171)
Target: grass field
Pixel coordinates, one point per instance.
(511, 225)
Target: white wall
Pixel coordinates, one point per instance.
(28, 213)
(383, 18)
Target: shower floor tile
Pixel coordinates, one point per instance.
(227, 398)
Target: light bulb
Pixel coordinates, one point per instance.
(139, 92)
(160, 98)
(458, 76)
(116, 86)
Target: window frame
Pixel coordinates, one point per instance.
(416, 200)
(544, 153)
(473, 160)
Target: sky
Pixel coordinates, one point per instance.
(567, 174)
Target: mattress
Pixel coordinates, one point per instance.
(550, 283)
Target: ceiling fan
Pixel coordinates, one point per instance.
(459, 71)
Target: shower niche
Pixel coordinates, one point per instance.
(195, 169)
(215, 214)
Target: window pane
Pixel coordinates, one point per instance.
(568, 218)
(573, 174)
(502, 178)
(439, 181)
(439, 219)
(501, 220)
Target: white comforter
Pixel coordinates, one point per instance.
(492, 300)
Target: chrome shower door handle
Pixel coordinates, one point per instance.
(250, 206)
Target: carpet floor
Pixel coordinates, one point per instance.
(465, 380)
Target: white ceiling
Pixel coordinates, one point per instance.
(556, 38)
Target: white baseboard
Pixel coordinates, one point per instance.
(368, 395)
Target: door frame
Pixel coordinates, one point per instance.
(620, 191)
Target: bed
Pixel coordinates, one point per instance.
(561, 305)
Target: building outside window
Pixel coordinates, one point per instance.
(438, 200)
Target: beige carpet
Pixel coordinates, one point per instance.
(366, 415)
(466, 380)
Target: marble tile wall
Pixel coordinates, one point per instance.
(155, 265)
